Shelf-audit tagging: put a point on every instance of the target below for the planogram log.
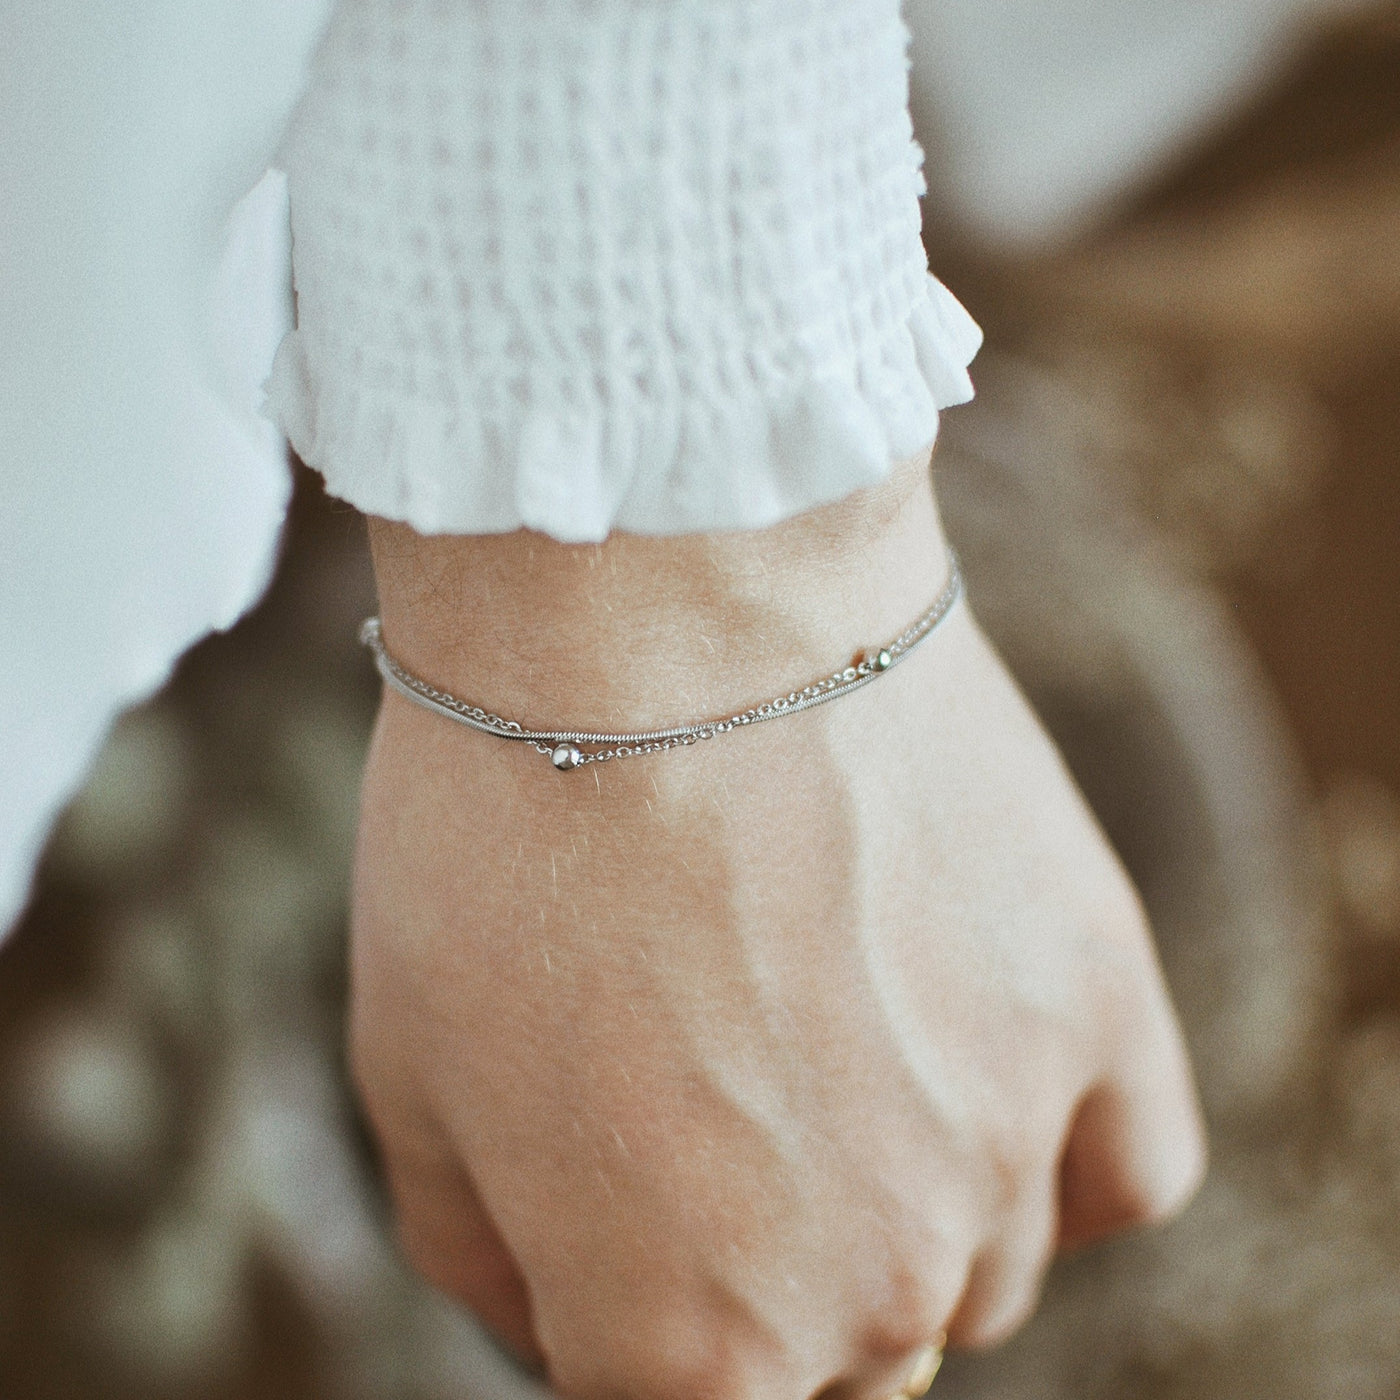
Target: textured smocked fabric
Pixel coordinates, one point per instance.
(591, 264)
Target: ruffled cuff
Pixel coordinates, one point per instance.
(651, 267)
(687, 464)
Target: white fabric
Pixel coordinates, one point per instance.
(647, 266)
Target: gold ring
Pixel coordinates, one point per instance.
(921, 1375)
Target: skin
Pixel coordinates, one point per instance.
(747, 1070)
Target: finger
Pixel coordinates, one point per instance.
(899, 1347)
(907, 1378)
(1136, 1149)
(1004, 1283)
(450, 1239)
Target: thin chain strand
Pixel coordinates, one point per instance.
(554, 742)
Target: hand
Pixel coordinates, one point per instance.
(745, 1070)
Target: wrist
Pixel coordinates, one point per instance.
(642, 630)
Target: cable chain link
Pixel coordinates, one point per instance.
(561, 746)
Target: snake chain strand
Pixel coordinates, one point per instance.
(562, 746)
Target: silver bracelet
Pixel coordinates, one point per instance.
(561, 746)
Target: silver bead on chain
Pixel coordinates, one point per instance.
(562, 746)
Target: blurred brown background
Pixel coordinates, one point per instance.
(1178, 501)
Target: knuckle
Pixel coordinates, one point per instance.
(1017, 1154)
(990, 1328)
(1179, 1181)
(1004, 1291)
(1006, 1279)
(1129, 1002)
(1019, 1160)
(920, 1298)
(1121, 933)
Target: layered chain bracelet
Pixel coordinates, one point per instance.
(568, 749)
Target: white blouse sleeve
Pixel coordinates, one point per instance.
(581, 266)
